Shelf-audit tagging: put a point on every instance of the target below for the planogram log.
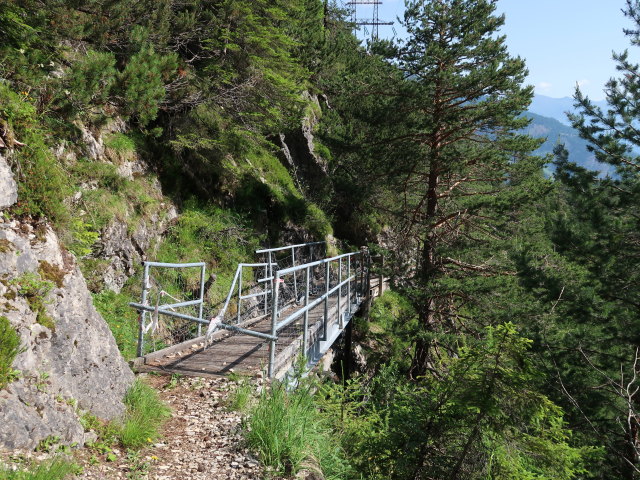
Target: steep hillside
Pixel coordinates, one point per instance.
(124, 145)
(555, 132)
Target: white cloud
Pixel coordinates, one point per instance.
(583, 83)
(543, 87)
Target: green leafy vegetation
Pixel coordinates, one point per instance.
(35, 290)
(140, 426)
(42, 184)
(508, 348)
(9, 348)
(121, 318)
(241, 394)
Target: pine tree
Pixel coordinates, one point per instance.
(463, 166)
(604, 234)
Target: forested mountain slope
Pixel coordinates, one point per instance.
(554, 132)
(185, 130)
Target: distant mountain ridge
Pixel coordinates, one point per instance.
(556, 132)
(556, 108)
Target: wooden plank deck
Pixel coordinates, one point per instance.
(240, 353)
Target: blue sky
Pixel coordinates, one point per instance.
(564, 41)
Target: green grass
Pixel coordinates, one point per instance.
(121, 318)
(290, 434)
(120, 143)
(9, 348)
(144, 416)
(212, 234)
(56, 469)
(128, 201)
(241, 395)
(42, 182)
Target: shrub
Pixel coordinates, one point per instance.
(142, 82)
(90, 79)
(42, 185)
(9, 348)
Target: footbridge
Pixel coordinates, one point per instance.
(292, 304)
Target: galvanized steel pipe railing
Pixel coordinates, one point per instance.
(144, 308)
(341, 260)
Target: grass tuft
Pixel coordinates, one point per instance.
(290, 434)
(9, 348)
(55, 469)
(144, 416)
(241, 396)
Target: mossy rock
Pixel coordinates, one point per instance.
(6, 246)
(52, 273)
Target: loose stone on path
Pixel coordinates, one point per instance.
(201, 441)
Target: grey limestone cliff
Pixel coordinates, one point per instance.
(70, 363)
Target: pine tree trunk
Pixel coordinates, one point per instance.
(426, 310)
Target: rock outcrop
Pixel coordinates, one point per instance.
(128, 238)
(8, 186)
(70, 362)
(299, 154)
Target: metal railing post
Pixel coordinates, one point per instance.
(201, 306)
(381, 276)
(368, 283)
(327, 271)
(349, 285)
(266, 288)
(340, 323)
(239, 296)
(305, 326)
(295, 282)
(271, 275)
(274, 321)
(143, 314)
(362, 257)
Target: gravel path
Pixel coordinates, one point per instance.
(201, 441)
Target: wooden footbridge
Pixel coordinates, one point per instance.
(292, 306)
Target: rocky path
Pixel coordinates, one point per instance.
(201, 441)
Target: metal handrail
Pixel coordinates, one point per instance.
(328, 291)
(298, 313)
(288, 247)
(237, 275)
(295, 268)
(175, 265)
(269, 286)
